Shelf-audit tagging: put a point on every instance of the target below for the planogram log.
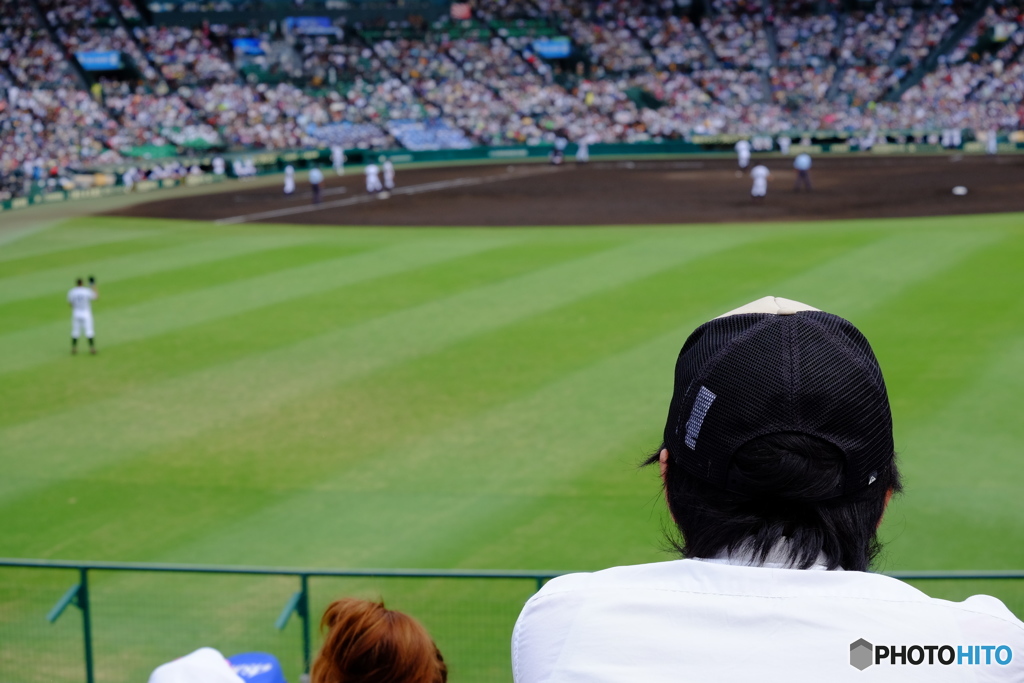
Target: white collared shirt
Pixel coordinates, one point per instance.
(724, 621)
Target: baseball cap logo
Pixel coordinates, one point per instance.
(701, 406)
(861, 654)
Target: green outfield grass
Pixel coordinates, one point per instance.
(310, 397)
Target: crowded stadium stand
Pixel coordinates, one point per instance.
(94, 83)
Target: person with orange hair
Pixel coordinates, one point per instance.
(368, 643)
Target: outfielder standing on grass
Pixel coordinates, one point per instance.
(80, 299)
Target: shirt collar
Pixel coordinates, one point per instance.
(777, 558)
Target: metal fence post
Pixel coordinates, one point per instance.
(298, 605)
(303, 610)
(83, 604)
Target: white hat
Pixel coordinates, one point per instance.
(205, 665)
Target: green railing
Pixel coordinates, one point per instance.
(297, 602)
(474, 640)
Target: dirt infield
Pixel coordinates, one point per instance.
(626, 193)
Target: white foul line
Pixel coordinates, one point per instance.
(362, 199)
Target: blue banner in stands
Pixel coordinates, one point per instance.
(552, 48)
(310, 26)
(100, 61)
(247, 46)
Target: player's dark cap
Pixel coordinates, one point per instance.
(778, 366)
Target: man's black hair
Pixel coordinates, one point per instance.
(79, 282)
(789, 478)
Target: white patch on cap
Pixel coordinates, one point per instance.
(701, 405)
(774, 305)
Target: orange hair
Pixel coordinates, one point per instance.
(367, 643)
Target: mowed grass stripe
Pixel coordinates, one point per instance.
(328, 431)
(949, 330)
(186, 406)
(121, 243)
(28, 348)
(954, 369)
(766, 256)
(975, 438)
(533, 446)
(164, 284)
(37, 392)
(909, 355)
(549, 530)
(446, 487)
(208, 498)
(60, 241)
(854, 284)
(451, 488)
(56, 281)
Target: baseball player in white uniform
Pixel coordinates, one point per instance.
(338, 159)
(316, 177)
(784, 143)
(760, 175)
(80, 300)
(372, 172)
(558, 153)
(389, 173)
(129, 177)
(743, 153)
(869, 140)
(802, 165)
(289, 179)
(583, 150)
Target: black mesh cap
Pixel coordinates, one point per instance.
(778, 366)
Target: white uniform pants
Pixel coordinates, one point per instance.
(389, 181)
(81, 322)
(373, 184)
(760, 188)
(744, 160)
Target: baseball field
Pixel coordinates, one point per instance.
(294, 395)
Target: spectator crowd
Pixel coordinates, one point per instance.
(637, 71)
